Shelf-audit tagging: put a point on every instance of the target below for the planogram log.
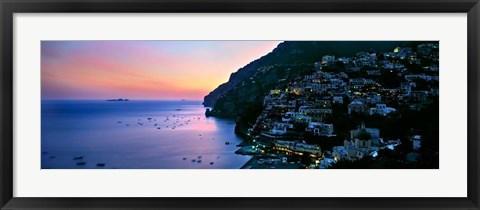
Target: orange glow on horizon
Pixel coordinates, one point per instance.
(142, 69)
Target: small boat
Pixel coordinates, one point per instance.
(78, 157)
(184, 158)
(100, 164)
(81, 163)
(211, 163)
(199, 161)
(199, 157)
(193, 161)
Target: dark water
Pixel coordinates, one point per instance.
(121, 135)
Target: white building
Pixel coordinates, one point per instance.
(320, 129)
(336, 83)
(356, 106)
(406, 88)
(339, 153)
(417, 142)
(344, 60)
(289, 116)
(373, 98)
(338, 99)
(361, 82)
(325, 163)
(374, 134)
(358, 149)
(381, 109)
(303, 118)
(279, 129)
(421, 76)
(303, 109)
(321, 87)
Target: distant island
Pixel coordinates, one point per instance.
(120, 99)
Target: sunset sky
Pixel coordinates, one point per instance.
(167, 70)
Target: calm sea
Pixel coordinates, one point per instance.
(136, 135)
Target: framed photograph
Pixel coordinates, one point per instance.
(239, 105)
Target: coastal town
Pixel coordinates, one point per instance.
(348, 110)
(286, 104)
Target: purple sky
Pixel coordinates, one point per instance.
(167, 70)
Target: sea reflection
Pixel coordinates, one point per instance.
(135, 135)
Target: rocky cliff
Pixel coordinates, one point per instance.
(245, 88)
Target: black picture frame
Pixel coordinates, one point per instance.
(10, 7)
